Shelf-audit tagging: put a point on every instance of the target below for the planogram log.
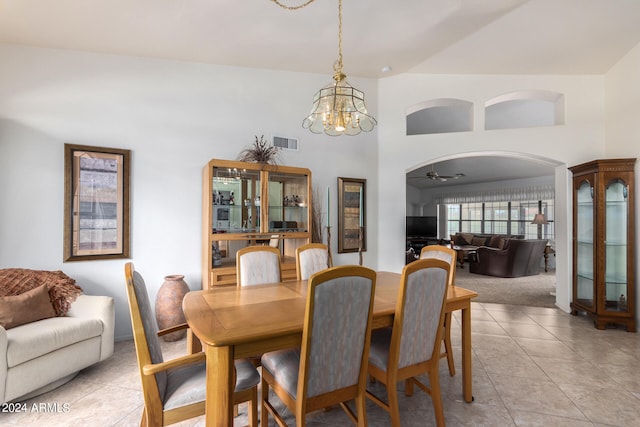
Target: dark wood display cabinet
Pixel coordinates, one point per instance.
(604, 242)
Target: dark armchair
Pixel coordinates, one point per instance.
(520, 258)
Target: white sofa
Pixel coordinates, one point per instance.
(39, 356)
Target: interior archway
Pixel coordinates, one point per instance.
(486, 169)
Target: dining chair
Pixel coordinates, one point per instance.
(331, 365)
(274, 241)
(311, 258)
(448, 255)
(174, 390)
(411, 346)
(257, 265)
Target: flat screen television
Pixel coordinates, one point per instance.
(422, 226)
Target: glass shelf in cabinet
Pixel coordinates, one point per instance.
(616, 202)
(619, 281)
(287, 207)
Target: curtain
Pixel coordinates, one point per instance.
(516, 194)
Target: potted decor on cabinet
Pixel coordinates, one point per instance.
(260, 152)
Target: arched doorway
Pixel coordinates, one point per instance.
(479, 172)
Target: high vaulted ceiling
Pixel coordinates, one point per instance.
(423, 36)
(418, 36)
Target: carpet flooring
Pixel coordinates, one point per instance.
(534, 291)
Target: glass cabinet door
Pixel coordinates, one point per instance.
(585, 281)
(236, 201)
(288, 202)
(616, 219)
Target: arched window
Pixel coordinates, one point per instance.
(523, 109)
(440, 116)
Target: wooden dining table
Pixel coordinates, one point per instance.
(238, 322)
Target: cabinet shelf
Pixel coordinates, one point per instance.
(616, 277)
(260, 236)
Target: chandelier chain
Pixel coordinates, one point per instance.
(338, 65)
(338, 108)
(284, 6)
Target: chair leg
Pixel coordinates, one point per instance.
(394, 407)
(143, 420)
(447, 343)
(300, 420)
(264, 412)
(361, 407)
(436, 396)
(408, 387)
(253, 408)
(193, 343)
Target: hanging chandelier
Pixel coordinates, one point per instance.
(338, 108)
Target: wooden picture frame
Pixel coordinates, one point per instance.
(352, 214)
(96, 203)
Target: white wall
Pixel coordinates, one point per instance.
(623, 128)
(414, 201)
(174, 116)
(581, 139)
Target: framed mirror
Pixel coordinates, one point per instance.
(352, 214)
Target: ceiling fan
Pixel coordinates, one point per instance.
(434, 176)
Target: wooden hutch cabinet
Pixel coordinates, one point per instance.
(603, 242)
(252, 204)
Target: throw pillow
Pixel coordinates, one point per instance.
(63, 289)
(478, 241)
(494, 242)
(502, 243)
(27, 307)
(458, 240)
(468, 237)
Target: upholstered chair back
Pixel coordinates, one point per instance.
(443, 253)
(337, 334)
(147, 343)
(310, 259)
(257, 265)
(447, 255)
(422, 306)
(331, 365)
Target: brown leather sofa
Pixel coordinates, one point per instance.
(520, 257)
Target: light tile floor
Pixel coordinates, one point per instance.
(531, 367)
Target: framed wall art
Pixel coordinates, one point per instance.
(96, 203)
(352, 214)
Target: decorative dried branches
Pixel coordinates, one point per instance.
(260, 152)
